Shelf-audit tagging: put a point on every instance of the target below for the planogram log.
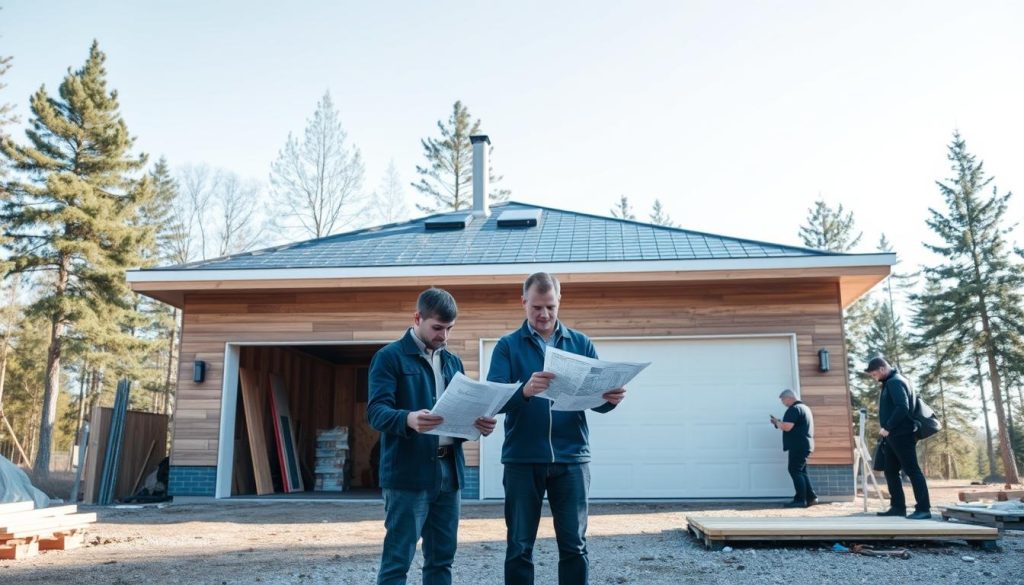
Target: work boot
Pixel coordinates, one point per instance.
(892, 512)
(920, 515)
(795, 504)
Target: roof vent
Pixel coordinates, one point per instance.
(519, 218)
(450, 221)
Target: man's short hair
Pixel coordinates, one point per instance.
(544, 282)
(787, 394)
(436, 303)
(876, 363)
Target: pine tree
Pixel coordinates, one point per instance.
(944, 373)
(659, 216)
(977, 295)
(830, 229)
(835, 230)
(319, 180)
(447, 179)
(6, 118)
(70, 210)
(623, 209)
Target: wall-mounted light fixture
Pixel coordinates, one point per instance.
(198, 371)
(823, 364)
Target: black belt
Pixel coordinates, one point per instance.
(445, 451)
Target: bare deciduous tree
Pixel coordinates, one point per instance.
(319, 180)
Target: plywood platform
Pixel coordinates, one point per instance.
(716, 532)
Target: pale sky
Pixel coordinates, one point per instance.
(736, 114)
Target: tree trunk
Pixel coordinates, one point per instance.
(52, 381)
(945, 436)
(1005, 447)
(169, 382)
(988, 428)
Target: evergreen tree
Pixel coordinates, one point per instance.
(835, 230)
(6, 118)
(447, 179)
(659, 216)
(71, 209)
(978, 282)
(944, 373)
(830, 229)
(319, 180)
(623, 209)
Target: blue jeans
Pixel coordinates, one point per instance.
(567, 486)
(432, 514)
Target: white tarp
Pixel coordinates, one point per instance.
(16, 487)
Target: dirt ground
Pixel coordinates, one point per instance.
(339, 542)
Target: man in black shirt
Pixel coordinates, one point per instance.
(895, 417)
(797, 427)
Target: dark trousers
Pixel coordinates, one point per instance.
(432, 514)
(567, 486)
(798, 471)
(901, 455)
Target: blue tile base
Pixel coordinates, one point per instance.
(832, 480)
(471, 491)
(192, 481)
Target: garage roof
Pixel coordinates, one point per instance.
(559, 236)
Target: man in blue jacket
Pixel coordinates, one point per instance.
(421, 475)
(544, 450)
(895, 417)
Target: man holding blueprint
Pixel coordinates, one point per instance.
(546, 446)
(421, 473)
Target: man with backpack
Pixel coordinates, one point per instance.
(899, 445)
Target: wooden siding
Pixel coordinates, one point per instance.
(809, 309)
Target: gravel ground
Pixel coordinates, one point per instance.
(330, 542)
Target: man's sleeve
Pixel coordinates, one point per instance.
(899, 396)
(501, 371)
(381, 410)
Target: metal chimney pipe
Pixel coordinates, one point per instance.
(481, 174)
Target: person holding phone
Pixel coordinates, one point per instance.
(797, 427)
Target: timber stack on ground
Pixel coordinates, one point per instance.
(25, 531)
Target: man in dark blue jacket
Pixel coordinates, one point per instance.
(421, 474)
(544, 450)
(895, 417)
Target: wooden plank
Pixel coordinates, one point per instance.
(39, 513)
(46, 526)
(15, 507)
(252, 401)
(998, 495)
(844, 527)
(284, 429)
(16, 550)
(69, 540)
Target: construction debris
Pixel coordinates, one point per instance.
(1002, 515)
(24, 531)
(331, 459)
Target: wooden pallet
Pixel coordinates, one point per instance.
(997, 495)
(25, 531)
(1000, 519)
(716, 532)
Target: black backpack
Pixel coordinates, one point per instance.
(926, 423)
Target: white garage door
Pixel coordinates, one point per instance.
(694, 424)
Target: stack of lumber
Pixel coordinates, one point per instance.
(996, 495)
(25, 531)
(1003, 515)
(331, 458)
